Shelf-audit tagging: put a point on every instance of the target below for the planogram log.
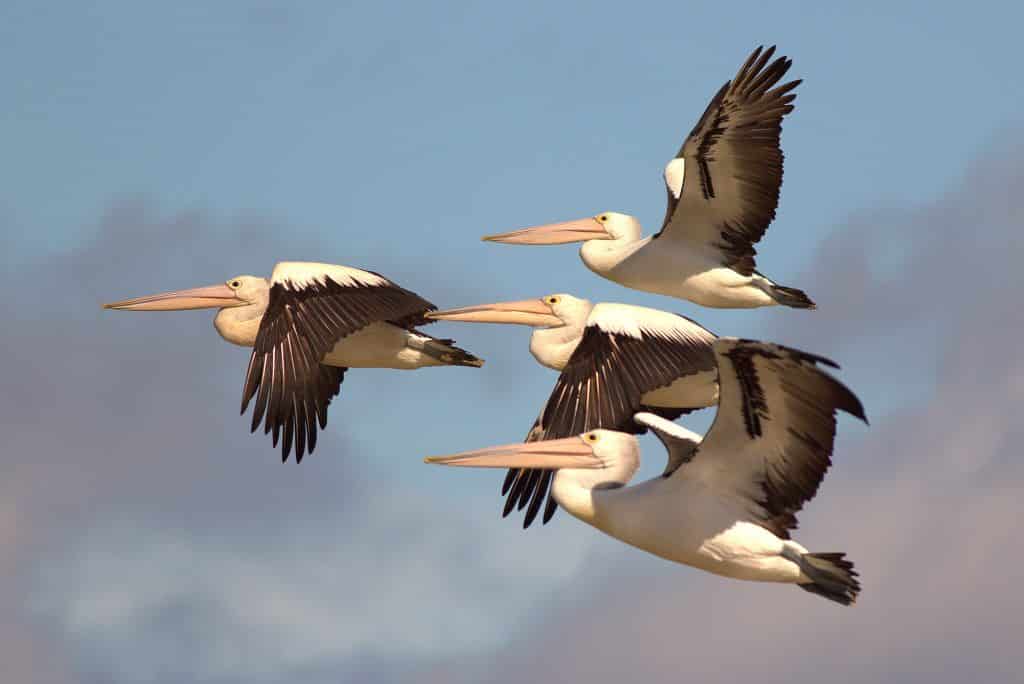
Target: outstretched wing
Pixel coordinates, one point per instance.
(723, 185)
(311, 307)
(771, 441)
(624, 353)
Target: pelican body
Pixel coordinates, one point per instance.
(308, 324)
(725, 503)
(723, 189)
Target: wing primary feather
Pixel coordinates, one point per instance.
(510, 477)
(549, 508)
(537, 499)
(250, 381)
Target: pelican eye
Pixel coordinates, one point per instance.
(235, 284)
(602, 218)
(552, 300)
(591, 437)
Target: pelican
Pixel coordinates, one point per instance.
(725, 503)
(307, 325)
(704, 252)
(614, 360)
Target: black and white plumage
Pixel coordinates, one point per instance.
(307, 325)
(733, 162)
(312, 308)
(773, 433)
(725, 504)
(723, 190)
(614, 360)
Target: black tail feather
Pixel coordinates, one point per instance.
(832, 576)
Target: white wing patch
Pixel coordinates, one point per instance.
(668, 427)
(674, 172)
(303, 273)
(626, 319)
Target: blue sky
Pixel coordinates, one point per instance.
(150, 146)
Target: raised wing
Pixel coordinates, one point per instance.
(771, 441)
(625, 352)
(311, 307)
(723, 185)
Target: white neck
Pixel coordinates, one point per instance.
(617, 509)
(239, 325)
(593, 495)
(553, 346)
(601, 256)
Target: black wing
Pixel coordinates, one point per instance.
(733, 164)
(601, 387)
(771, 441)
(301, 324)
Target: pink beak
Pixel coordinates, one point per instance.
(532, 312)
(213, 296)
(571, 452)
(580, 230)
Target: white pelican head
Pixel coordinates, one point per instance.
(593, 460)
(549, 311)
(557, 319)
(242, 301)
(608, 225)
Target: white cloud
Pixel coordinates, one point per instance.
(405, 579)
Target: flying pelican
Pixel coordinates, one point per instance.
(724, 504)
(614, 360)
(307, 325)
(704, 252)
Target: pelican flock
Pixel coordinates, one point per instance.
(614, 360)
(725, 502)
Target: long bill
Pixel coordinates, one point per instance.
(571, 452)
(532, 312)
(579, 230)
(211, 296)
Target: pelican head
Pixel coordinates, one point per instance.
(608, 225)
(550, 311)
(597, 459)
(242, 300)
(557, 320)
